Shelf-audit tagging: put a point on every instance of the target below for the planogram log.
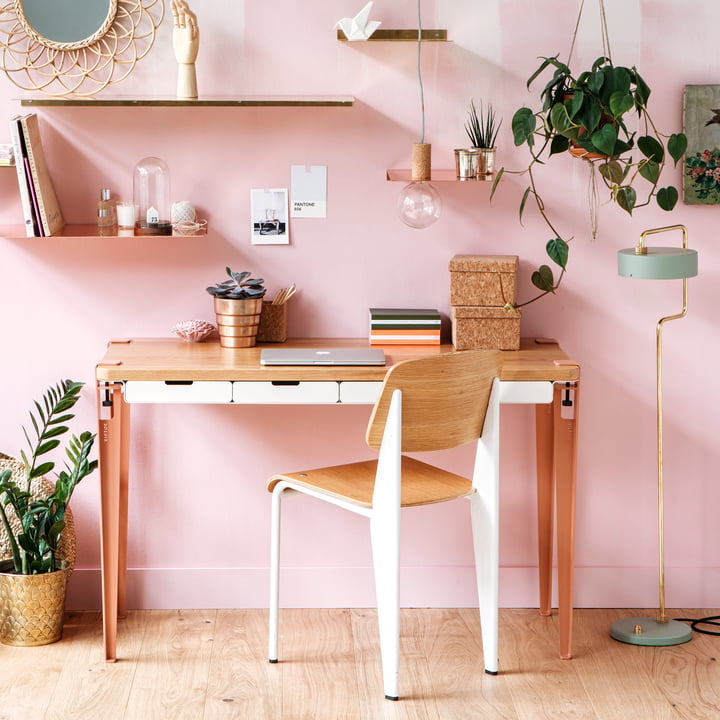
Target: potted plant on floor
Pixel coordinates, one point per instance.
(588, 114)
(238, 304)
(33, 580)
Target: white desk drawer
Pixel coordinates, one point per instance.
(287, 392)
(532, 392)
(171, 391)
(359, 392)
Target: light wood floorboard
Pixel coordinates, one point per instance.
(212, 665)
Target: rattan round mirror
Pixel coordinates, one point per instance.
(75, 47)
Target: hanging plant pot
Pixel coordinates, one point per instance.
(32, 607)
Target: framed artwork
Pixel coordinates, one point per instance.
(701, 119)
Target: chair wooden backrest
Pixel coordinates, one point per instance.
(444, 399)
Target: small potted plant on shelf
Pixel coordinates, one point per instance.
(33, 580)
(587, 114)
(482, 129)
(238, 304)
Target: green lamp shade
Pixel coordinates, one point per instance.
(660, 263)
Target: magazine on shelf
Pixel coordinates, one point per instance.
(23, 175)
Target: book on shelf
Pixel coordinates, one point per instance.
(37, 193)
(397, 326)
(23, 176)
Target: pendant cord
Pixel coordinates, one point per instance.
(419, 74)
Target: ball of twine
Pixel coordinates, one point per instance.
(182, 211)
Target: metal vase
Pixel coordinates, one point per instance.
(486, 163)
(32, 607)
(237, 321)
(466, 163)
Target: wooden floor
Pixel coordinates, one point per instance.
(211, 665)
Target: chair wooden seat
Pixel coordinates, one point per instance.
(422, 484)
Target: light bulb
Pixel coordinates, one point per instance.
(419, 204)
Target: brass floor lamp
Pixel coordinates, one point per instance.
(657, 263)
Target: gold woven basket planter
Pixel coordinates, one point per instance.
(32, 607)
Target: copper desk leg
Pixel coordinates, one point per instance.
(113, 417)
(544, 443)
(556, 448)
(566, 405)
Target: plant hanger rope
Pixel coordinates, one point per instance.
(603, 30)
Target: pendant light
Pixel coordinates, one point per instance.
(419, 204)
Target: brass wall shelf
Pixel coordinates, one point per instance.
(248, 101)
(388, 35)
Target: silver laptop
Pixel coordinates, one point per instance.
(322, 356)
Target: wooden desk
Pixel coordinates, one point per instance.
(164, 370)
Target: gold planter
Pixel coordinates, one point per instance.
(238, 321)
(32, 607)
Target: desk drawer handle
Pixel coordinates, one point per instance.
(285, 383)
(178, 382)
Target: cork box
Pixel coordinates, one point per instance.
(483, 280)
(485, 328)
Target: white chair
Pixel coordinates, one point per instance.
(432, 403)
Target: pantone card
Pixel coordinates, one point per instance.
(308, 189)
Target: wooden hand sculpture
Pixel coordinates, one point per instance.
(186, 42)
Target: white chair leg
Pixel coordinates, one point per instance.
(485, 513)
(484, 527)
(386, 564)
(274, 574)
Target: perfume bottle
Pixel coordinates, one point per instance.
(106, 214)
(151, 195)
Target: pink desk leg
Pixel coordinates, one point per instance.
(113, 417)
(544, 443)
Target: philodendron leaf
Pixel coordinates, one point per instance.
(612, 171)
(626, 197)
(523, 126)
(604, 139)
(557, 250)
(560, 119)
(620, 103)
(667, 197)
(542, 279)
(559, 144)
(522, 202)
(650, 170)
(677, 145)
(651, 148)
(496, 181)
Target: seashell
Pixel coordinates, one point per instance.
(193, 330)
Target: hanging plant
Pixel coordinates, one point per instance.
(588, 114)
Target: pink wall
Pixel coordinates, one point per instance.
(199, 511)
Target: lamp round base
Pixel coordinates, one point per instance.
(651, 632)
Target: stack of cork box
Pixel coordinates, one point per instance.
(480, 288)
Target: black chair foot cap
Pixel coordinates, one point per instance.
(391, 697)
(491, 672)
(272, 661)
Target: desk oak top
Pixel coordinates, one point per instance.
(174, 359)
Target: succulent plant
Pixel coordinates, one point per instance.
(240, 286)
